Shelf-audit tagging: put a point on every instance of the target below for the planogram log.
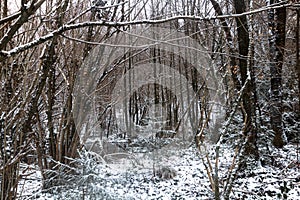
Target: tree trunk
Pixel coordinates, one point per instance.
(297, 57)
(277, 22)
(243, 43)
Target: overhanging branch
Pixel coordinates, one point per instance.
(68, 27)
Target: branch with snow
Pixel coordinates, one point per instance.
(68, 27)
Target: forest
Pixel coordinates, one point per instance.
(129, 99)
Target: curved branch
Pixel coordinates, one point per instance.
(65, 28)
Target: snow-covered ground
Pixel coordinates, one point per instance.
(132, 176)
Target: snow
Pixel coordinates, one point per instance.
(132, 177)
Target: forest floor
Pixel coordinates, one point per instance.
(170, 173)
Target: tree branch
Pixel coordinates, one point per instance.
(65, 28)
(25, 14)
(10, 17)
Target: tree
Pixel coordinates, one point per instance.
(246, 70)
(277, 21)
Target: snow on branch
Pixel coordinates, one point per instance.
(68, 27)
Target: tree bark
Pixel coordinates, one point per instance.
(277, 21)
(297, 57)
(248, 105)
